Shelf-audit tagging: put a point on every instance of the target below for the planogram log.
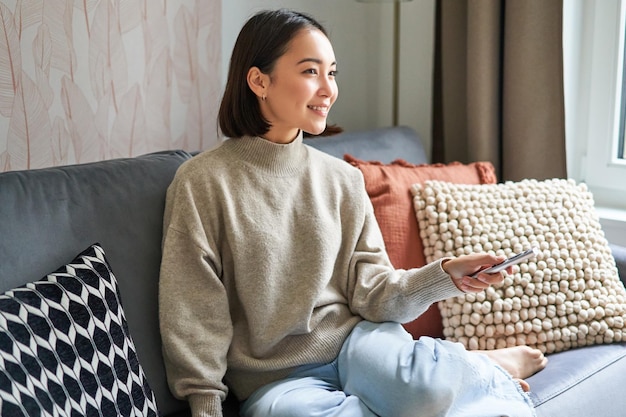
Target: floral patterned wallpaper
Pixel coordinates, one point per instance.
(87, 80)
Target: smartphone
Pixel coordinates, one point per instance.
(513, 260)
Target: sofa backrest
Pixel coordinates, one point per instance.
(49, 216)
(384, 144)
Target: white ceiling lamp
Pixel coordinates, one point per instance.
(395, 88)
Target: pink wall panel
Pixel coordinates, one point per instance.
(87, 80)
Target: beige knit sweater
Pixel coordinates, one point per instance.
(271, 255)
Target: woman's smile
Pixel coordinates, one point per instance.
(320, 110)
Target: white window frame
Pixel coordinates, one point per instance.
(603, 169)
(593, 43)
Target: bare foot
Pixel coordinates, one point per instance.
(520, 361)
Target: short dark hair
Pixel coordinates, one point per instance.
(263, 39)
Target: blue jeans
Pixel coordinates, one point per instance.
(382, 371)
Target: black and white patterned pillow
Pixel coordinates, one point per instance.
(65, 348)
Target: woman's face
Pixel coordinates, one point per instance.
(301, 88)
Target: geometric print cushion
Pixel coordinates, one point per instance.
(65, 348)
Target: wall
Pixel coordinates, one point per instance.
(86, 80)
(362, 37)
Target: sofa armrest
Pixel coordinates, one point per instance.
(619, 253)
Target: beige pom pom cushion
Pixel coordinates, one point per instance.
(568, 296)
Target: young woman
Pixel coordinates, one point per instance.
(275, 280)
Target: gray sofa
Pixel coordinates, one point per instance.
(48, 216)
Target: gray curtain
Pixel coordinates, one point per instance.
(498, 86)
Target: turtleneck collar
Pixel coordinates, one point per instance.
(277, 159)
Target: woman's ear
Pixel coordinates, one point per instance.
(258, 82)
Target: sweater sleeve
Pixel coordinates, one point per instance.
(196, 327)
(378, 292)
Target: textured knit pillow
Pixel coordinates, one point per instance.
(388, 187)
(65, 348)
(568, 296)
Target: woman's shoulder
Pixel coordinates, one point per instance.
(205, 160)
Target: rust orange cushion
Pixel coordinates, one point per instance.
(389, 188)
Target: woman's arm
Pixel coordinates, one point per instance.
(378, 292)
(196, 327)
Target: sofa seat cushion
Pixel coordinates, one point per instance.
(65, 348)
(574, 379)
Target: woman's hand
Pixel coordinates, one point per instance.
(462, 267)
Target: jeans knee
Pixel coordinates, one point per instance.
(421, 378)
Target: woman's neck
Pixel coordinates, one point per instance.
(281, 137)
